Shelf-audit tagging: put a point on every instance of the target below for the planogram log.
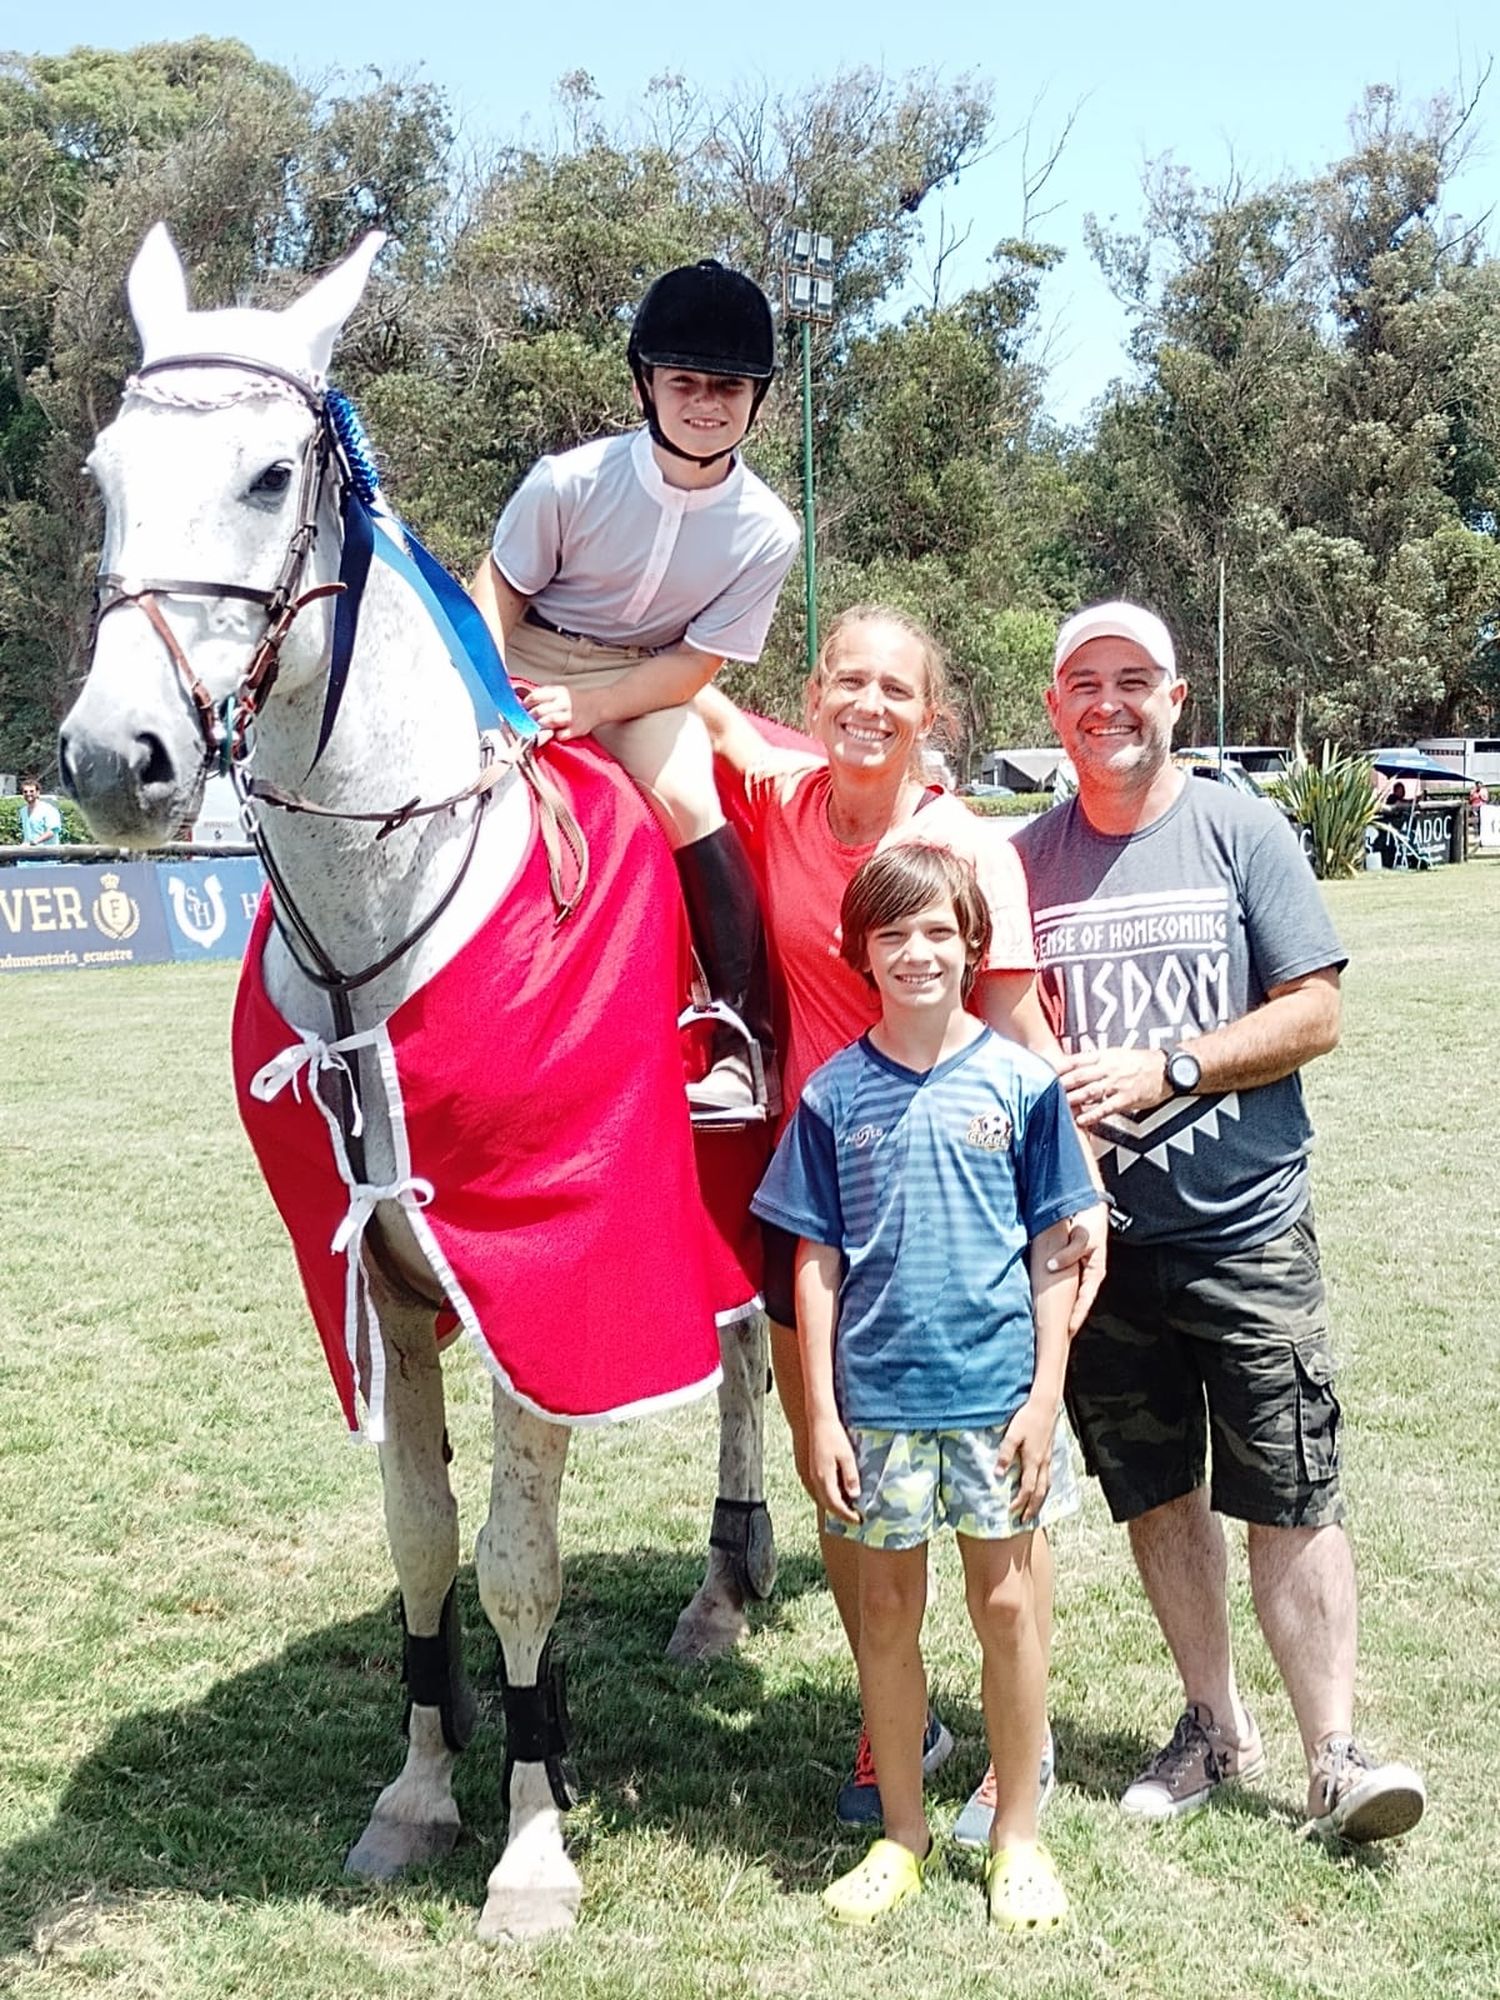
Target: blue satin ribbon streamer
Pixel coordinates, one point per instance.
(469, 642)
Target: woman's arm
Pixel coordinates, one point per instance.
(1011, 1005)
(737, 740)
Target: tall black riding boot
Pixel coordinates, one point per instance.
(724, 918)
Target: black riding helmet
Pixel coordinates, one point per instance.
(709, 319)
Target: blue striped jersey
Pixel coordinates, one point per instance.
(932, 1185)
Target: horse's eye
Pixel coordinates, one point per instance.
(273, 481)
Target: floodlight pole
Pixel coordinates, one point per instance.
(1221, 662)
(807, 262)
(809, 537)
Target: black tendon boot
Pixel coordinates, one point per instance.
(724, 918)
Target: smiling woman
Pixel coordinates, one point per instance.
(816, 816)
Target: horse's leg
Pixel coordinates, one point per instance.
(533, 1888)
(742, 1553)
(415, 1818)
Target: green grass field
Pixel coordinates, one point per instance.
(199, 1668)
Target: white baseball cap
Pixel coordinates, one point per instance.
(1116, 620)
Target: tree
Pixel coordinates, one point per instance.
(261, 181)
(1318, 408)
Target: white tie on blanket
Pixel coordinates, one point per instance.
(364, 1198)
(312, 1054)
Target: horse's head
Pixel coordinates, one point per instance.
(212, 482)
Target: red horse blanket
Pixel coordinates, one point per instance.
(544, 1154)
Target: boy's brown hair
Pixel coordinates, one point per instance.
(905, 878)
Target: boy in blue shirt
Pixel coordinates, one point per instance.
(930, 1171)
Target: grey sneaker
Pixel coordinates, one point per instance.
(1184, 1774)
(972, 1827)
(1359, 1800)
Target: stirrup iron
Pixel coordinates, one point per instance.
(717, 1118)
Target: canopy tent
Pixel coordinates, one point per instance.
(1397, 763)
(1023, 770)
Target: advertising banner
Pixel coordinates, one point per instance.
(59, 915)
(209, 905)
(1425, 835)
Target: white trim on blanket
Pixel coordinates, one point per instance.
(460, 1302)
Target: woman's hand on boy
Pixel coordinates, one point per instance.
(1027, 1444)
(832, 1470)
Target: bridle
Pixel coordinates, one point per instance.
(227, 728)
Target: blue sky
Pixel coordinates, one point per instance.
(1268, 89)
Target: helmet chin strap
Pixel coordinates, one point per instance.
(659, 436)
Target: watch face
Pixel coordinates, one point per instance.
(1184, 1071)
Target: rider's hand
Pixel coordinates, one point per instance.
(564, 712)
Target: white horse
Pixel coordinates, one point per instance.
(222, 486)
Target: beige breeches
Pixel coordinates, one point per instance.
(666, 751)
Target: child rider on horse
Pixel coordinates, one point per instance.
(621, 577)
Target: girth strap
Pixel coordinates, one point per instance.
(560, 831)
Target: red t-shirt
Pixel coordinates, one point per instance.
(805, 871)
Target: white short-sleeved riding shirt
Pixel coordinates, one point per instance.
(606, 549)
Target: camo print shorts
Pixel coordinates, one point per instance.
(1184, 1347)
(910, 1482)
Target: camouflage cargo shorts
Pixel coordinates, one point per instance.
(1184, 1347)
(910, 1482)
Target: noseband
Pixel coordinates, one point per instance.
(224, 730)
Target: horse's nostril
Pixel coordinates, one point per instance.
(156, 767)
(65, 768)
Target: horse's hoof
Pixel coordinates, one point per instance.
(710, 1627)
(388, 1848)
(522, 1912)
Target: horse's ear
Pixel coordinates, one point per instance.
(318, 316)
(157, 288)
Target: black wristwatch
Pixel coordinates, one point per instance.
(1184, 1073)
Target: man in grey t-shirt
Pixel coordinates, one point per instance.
(1190, 969)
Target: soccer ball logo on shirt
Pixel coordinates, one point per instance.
(990, 1131)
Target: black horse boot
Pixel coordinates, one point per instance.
(741, 1087)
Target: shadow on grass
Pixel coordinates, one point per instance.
(258, 1790)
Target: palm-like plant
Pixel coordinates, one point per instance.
(1333, 802)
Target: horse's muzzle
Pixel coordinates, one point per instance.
(127, 782)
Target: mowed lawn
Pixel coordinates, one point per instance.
(199, 1669)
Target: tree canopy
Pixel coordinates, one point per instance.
(1313, 398)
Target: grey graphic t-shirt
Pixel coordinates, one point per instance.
(1148, 939)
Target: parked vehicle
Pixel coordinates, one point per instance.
(1224, 770)
(1259, 761)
